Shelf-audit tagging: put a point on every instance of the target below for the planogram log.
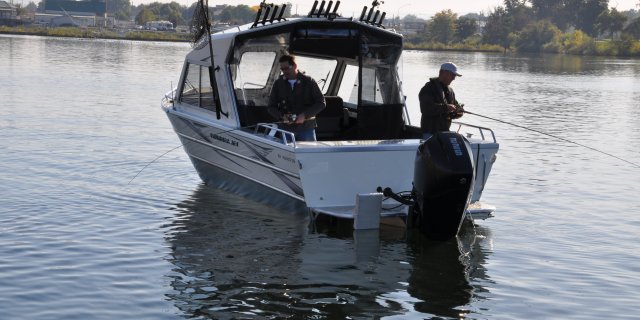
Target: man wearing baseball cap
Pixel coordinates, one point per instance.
(438, 103)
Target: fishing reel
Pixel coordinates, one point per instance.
(458, 113)
(288, 116)
(291, 117)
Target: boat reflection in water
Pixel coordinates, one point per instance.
(235, 258)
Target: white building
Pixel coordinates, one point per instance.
(159, 25)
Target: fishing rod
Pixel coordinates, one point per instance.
(162, 155)
(553, 136)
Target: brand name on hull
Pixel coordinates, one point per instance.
(224, 139)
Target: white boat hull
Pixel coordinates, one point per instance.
(325, 176)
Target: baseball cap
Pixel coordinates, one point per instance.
(449, 66)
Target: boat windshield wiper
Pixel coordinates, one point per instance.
(324, 81)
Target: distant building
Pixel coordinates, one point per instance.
(61, 20)
(88, 13)
(8, 11)
(413, 27)
(159, 25)
(87, 7)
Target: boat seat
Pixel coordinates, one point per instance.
(380, 121)
(332, 118)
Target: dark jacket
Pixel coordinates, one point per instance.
(433, 106)
(305, 97)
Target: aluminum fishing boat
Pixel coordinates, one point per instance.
(366, 144)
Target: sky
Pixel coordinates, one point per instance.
(421, 8)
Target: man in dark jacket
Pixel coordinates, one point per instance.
(296, 99)
(438, 103)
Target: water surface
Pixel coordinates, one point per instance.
(80, 240)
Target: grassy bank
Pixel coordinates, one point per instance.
(95, 33)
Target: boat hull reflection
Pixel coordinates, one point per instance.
(235, 258)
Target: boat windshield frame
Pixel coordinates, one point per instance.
(372, 51)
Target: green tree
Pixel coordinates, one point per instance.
(31, 7)
(175, 17)
(237, 14)
(164, 11)
(535, 36)
(586, 13)
(633, 28)
(226, 15)
(519, 14)
(561, 13)
(120, 9)
(546, 9)
(442, 27)
(581, 14)
(578, 42)
(145, 15)
(611, 21)
(496, 29)
(466, 28)
(412, 18)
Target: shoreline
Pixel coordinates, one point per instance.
(91, 33)
(160, 36)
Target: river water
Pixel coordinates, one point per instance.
(80, 240)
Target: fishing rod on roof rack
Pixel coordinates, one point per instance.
(262, 16)
(322, 12)
(371, 20)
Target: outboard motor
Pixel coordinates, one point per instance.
(443, 184)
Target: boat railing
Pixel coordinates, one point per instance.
(486, 134)
(274, 133)
(169, 97)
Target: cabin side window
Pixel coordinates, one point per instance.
(196, 89)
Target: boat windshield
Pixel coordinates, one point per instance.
(318, 52)
(356, 64)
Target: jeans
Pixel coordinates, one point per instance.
(306, 135)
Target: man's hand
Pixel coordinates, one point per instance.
(300, 119)
(457, 112)
(289, 118)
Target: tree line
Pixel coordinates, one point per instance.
(559, 26)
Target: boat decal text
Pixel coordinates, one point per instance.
(224, 139)
(285, 158)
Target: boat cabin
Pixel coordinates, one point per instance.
(353, 61)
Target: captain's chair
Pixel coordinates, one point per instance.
(332, 118)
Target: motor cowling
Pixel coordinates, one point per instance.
(443, 183)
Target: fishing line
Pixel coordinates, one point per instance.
(553, 136)
(162, 155)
